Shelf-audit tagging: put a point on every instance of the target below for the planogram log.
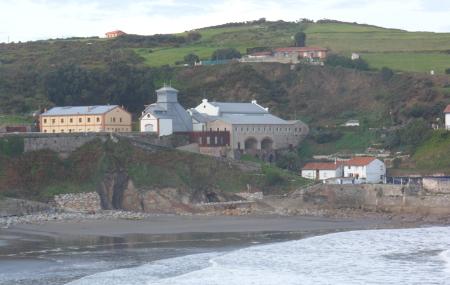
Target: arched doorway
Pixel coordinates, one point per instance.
(251, 145)
(267, 144)
(149, 128)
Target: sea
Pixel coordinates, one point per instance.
(388, 256)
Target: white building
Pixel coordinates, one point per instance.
(447, 117)
(253, 130)
(166, 116)
(355, 56)
(367, 169)
(351, 123)
(322, 170)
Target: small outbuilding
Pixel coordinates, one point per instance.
(322, 170)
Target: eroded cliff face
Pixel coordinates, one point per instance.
(118, 192)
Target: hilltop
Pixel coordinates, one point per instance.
(127, 70)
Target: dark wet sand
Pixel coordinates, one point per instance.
(198, 224)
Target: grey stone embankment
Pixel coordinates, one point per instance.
(39, 218)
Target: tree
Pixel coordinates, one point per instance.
(300, 39)
(191, 59)
(225, 53)
(447, 71)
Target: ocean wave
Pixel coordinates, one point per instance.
(406, 256)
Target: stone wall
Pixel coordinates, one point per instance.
(18, 207)
(63, 144)
(80, 202)
(436, 184)
(376, 197)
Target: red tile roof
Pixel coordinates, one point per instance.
(360, 161)
(299, 49)
(116, 32)
(321, 166)
(447, 110)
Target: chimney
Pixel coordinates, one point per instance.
(205, 101)
(254, 102)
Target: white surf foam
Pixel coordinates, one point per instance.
(409, 256)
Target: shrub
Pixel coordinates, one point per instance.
(339, 60)
(273, 176)
(11, 146)
(386, 73)
(191, 59)
(225, 53)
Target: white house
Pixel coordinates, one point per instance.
(351, 123)
(322, 170)
(368, 169)
(166, 116)
(447, 117)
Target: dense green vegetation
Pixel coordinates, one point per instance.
(42, 174)
(434, 153)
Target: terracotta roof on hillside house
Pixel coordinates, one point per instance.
(321, 166)
(360, 161)
(447, 110)
(299, 49)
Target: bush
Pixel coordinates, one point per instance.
(326, 136)
(193, 37)
(273, 176)
(225, 53)
(11, 146)
(191, 59)
(288, 160)
(339, 60)
(386, 73)
(447, 71)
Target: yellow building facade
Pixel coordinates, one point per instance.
(82, 119)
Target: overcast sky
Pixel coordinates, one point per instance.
(23, 20)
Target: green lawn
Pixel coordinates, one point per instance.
(353, 140)
(409, 61)
(397, 49)
(434, 154)
(15, 119)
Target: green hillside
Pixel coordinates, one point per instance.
(397, 49)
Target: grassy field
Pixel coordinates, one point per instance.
(397, 49)
(434, 154)
(14, 119)
(410, 61)
(353, 140)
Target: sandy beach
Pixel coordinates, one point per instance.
(199, 224)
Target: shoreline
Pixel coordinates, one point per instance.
(172, 224)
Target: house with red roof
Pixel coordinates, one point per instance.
(365, 169)
(447, 117)
(114, 34)
(322, 170)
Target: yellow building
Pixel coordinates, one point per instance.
(81, 119)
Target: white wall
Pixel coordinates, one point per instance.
(206, 108)
(165, 127)
(447, 121)
(149, 120)
(309, 174)
(374, 172)
(323, 174)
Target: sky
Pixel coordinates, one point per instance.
(25, 20)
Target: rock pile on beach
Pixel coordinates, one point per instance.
(62, 217)
(78, 202)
